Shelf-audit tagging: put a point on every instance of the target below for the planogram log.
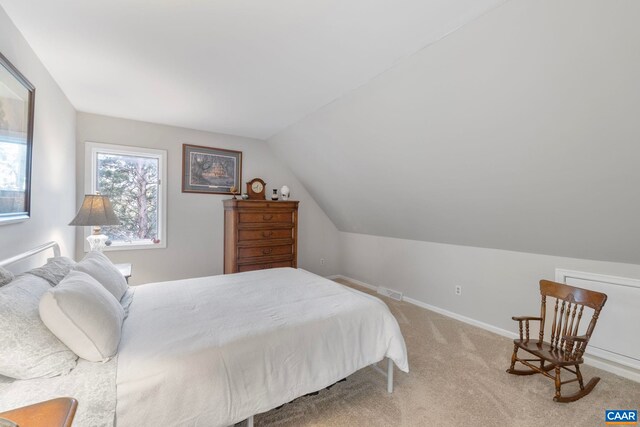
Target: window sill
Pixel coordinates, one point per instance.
(13, 219)
(130, 246)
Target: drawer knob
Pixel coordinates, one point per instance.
(267, 233)
(267, 217)
(267, 251)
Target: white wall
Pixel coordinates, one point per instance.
(496, 284)
(518, 131)
(195, 221)
(53, 186)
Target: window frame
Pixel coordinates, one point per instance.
(91, 152)
(21, 80)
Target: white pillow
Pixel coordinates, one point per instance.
(84, 316)
(97, 265)
(27, 348)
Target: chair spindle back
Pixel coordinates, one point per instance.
(567, 314)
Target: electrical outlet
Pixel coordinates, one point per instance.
(321, 261)
(458, 290)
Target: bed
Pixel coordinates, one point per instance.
(213, 351)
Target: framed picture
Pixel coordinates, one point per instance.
(210, 170)
(16, 138)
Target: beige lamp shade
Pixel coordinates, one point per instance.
(96, 210)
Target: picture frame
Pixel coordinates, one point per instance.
(210, 170)
(17, 97)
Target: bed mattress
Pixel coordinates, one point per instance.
(213, 351)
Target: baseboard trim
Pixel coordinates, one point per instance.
(357, 282)
(591, 360)
(460, 317)
(614, 368)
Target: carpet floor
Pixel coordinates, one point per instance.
(457, 378)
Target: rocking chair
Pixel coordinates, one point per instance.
(566, 348)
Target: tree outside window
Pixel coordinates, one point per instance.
(131, 177)
(131, 182)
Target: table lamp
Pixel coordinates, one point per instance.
(96, 211)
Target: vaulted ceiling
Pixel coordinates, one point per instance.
(244, 67)
(520, 131)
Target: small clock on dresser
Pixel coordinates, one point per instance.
(256, 189)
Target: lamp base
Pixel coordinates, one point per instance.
(97, 242)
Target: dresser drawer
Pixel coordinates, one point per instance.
(265, 251)
(266, 217)
(282, 233)
(277, 264)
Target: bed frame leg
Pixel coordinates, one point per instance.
(250, 421)
(389, 375)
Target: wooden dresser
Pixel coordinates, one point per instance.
(260, 234)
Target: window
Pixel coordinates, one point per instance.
(133, 178)
(14, 157)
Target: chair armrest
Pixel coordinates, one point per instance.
(572, 353)
(521, 318)
(579, 338)
(525, 319)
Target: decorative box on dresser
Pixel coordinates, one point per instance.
(260, 234)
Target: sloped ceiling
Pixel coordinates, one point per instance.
(520, 131)
(243, 67)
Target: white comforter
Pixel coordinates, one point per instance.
(213, 351)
